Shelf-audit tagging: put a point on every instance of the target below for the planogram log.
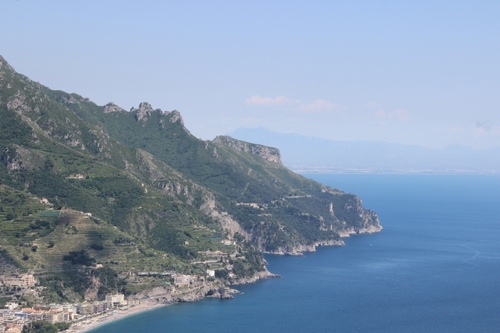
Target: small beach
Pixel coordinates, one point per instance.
(109, 316)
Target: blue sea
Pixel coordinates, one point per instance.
(434, 268)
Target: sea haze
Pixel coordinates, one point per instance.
(434, 268)
(313, 154)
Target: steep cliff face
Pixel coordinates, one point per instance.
(228, 223)
(267, 153)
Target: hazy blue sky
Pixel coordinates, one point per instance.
(417, 72)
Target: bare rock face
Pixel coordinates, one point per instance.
(11, 162)
(112, 107)
(93, 289)
(143, 112)
(227, 222)
(176, 116)
(21, 159)
(67, 99)
(267, 153)
(370, 222)
(18, 103)
(4, 66)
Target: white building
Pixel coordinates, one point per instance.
(23, 281)
(117, 299)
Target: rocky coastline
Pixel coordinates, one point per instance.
(299, 250)
(161, 296)
(369, 229)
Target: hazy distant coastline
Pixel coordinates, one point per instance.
(305, 154)
(332, 170)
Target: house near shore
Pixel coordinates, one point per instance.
(116, 299)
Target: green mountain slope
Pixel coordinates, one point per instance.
(281, 212)
(83, 185)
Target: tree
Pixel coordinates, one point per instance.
(81, 258)
(42, 326)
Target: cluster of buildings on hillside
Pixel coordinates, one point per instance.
(14, 318)
(18, 280)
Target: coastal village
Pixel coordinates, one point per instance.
(87, 315)
(15, 315)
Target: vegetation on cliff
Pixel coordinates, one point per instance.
(110, 193)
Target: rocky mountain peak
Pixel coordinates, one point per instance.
(145, 107)
(269, 154)
(112, 107)
(4, 65)
(143, 112)
(176, 116)
(5, 68)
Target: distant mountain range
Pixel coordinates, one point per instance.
(311, 154)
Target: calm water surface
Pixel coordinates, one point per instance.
(434, 268)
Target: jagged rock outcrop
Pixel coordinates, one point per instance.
(19, 103)
(371, 229)
(67, 99)
(269, 154)
(19, 158)
(112, 107)
(370, 222)
(175, 116)
(143, 112)
(5, 67)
